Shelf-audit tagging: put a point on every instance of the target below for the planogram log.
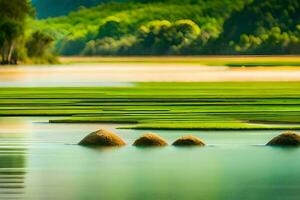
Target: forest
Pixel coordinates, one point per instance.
(17, 42)
(39, 30)
(173, 27)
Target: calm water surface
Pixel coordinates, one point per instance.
(120, 74)
(40, 161)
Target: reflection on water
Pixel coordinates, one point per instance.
(13, 152)
(122, 74)
(42, 162)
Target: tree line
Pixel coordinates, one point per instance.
(258, 27)
(168, 27)
(15, 42)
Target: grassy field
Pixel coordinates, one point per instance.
(231, 61)
(210, 106)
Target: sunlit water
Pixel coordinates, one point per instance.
(120, 74)
(41, 161)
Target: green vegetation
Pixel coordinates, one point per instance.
(210, 106)
(175, 27)
(38, 47)
(15, 43)
(231, 61)
(263, 27)
(130, 27)
(12, 24)
(160, 27)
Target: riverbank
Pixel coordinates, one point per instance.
(234, 61)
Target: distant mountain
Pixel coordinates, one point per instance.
(54, 8)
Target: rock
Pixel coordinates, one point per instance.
(150, 139)
(102, 137)
(285, 139)
(189, 141)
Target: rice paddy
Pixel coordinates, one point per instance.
(182, 106)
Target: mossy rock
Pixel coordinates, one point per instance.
(285, 139)
(150, 139)
(102, 137)
(189, 140)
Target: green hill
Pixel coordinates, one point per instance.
(178, 27)
(77, 28)
(269, 26)
(54, 8)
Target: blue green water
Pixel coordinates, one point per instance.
(41, 161)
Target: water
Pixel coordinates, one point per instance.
(41, 161)
(123, 74)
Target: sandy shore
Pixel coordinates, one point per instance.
(110, 72)
(215, 60)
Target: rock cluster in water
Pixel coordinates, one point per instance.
(285, 139)
(150, 139)
(102, 137)
(189, 140)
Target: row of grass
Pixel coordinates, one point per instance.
(209, 106)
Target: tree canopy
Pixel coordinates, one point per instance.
(264, 26)
(13, 17)
(164, 27)
(12, 22)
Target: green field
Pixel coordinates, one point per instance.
(209, 106)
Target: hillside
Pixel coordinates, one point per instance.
(269, 26)
(54, 8)
(165, 27)
(72, 32)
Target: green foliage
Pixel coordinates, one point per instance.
(263, 27)
(38, 43)
(14, 10)
(210, 106)
(109, 46)
(13, 45)
(72, 46)
(163, 37)
(38, 48)
(111, 28)
(164, 27)
(12, 22)
(10, 30)
(118, 20)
